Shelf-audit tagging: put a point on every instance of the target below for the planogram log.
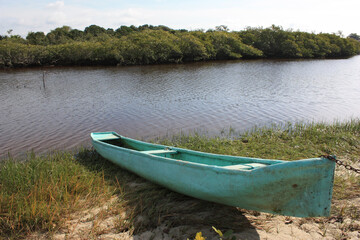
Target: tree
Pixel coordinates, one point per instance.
(94, 30)
(123, 31)
(222, 28)
(340, 33)
(192, 48)
(289, 48)
(145, 27)
(77, 35)
(149, 47)
(36, 38)
(110, 32)
(229, 46)
(59, 35)
(354, 36)
(164, 28)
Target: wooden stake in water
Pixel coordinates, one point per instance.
(44, 79)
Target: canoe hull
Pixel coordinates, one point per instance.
(300, 188)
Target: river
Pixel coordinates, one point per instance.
(145, 102)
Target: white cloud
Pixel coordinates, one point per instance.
(306, 15)
(56, 5)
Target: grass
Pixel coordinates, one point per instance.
(37, 194)
(40, 193)
(288, 142)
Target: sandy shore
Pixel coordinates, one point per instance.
(93, 225)
(103, 223)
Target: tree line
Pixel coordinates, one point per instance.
(149, 44)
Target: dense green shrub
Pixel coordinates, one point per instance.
(149, 44)
(192, 48)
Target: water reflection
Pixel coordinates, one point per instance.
(149, 101)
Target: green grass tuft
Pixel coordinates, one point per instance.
(36, 194)
(289, 142)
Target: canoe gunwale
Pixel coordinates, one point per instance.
(272, 163)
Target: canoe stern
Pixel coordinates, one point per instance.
(306, 189)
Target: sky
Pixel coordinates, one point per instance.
(329, 16)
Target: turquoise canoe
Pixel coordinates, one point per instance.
(301, 188)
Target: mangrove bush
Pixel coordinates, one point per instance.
(149, 44)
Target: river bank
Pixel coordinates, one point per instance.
(71, 196)
(157, 45)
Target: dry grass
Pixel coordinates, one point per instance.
(85, 194)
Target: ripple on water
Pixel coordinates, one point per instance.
(151, 101)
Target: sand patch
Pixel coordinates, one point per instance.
(102, 223)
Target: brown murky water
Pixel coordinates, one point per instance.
(150, 101)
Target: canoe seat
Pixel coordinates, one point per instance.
(161, 151)
(256, 165)
(238, 167)
(246, 166)
(106, 136)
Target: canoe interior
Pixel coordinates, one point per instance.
(228, 162)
